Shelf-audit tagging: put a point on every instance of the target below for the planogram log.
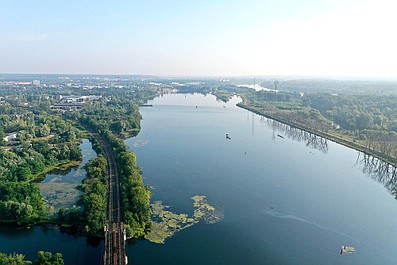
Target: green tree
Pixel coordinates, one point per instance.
(13, 259)
(23, 173)
(43, 131)
(42, 148)
(364, 121)
(47, 258)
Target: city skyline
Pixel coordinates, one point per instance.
(199, 38)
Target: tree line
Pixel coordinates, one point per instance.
(135, 196)
(43, 258)
(364, 122)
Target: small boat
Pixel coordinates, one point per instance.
(279, 135)
(347, 250)
(227, 136)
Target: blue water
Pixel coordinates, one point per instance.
(284, 201)
(74, 249)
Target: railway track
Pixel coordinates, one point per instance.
(114, 253)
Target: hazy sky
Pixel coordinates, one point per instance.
(202, 37)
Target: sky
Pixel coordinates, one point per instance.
(352, 38)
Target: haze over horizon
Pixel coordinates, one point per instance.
(200, 38)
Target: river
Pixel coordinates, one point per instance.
(286, 197)
(284, 201)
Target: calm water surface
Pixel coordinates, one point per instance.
(284, 201)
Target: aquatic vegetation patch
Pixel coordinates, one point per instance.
(60, 191)
(59, 195)
(165, 223)
(203, 210)
(140, 142)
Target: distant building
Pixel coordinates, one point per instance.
(67, 106)
(36, 82)
(78, 99)
(10, 136)
(70, 103)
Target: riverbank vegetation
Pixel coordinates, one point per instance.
(43, 258)
(366, 123)
(95, 196)
(91, 212)
(21, 203)
(121, 118)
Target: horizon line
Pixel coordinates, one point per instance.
(217, 76)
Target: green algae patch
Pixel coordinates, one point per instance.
(203, 210)
(165, 223)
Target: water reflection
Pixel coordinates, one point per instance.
(253, 124)
(62, 172)
(311, 140)
(379, 171)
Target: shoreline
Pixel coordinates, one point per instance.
(64, 165)
(327, 136)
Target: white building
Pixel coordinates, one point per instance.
(36, 82)
(10, 136)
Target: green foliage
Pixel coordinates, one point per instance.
(135, 196)
(43, 130)
(47, 258)
(72, 215)
(95, 195)
(43, 148)
(32, 153)
(46, 139)
(25, 163)
(121, 115)
(13, 259)
(21, 202)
